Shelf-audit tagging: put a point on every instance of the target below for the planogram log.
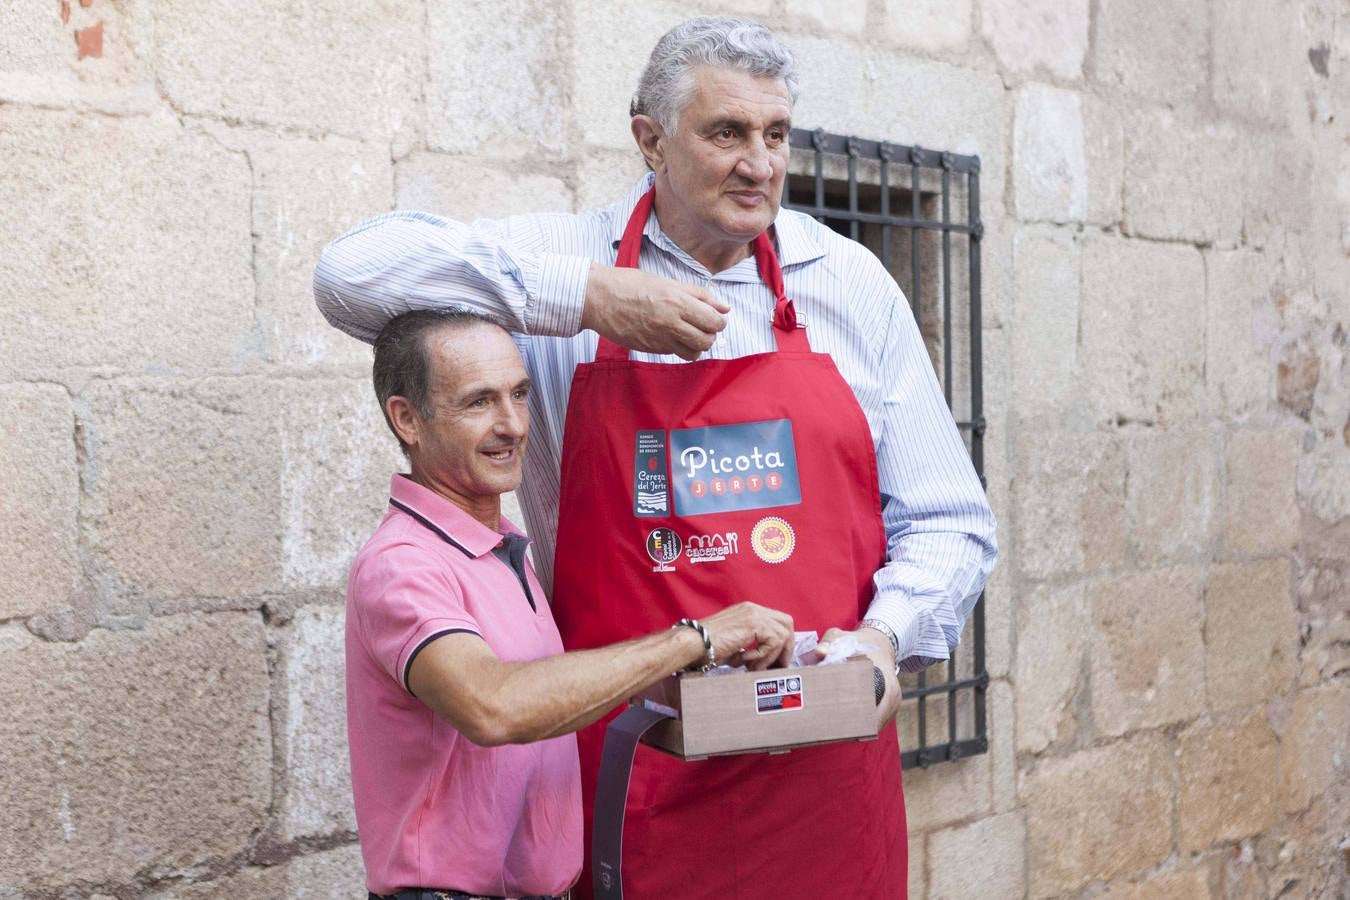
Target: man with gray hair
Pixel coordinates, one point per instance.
(805, 439)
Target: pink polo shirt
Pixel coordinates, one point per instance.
(435, 810)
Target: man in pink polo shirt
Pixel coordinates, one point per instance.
(460, 702)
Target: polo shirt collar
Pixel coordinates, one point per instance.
(795, 246)
(453, 524)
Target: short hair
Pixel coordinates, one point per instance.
(402, 366)
(668, 81)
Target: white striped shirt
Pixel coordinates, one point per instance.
(529, 272)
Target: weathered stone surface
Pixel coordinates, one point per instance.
(1104, 146)
(1162, 57)
(1050, 176)
(1142, 340)
(88, 293)
(943, 794)
(1261, 62)
(1324, 481)
(1173, 188)
(1173, 494)
(1068, 497)
(1038, 36)
(325, 875)
(318, 790)
(604, 176)
(306, 193)
(1315, 749)
(1251, 633)
(933, 26)
(192, 512)
(1242, 332)
(350, 68)
(1228, 786)
(1044, 334)
(1123, 828)
(336, 456)
(1053, 634)
(1262, 501)
(845, 17)
(1145, 657)
(131, 749)
(1002, 723)
(983, 859)
(500, 89)
(464, 190)
(39, 500)
(1187, 884)
(1278, 191)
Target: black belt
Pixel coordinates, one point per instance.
(430, 894)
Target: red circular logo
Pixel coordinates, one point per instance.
(773, 480)
(754, 483)
(719, 487)
(737, 486)
(698, 488)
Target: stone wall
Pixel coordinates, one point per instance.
(191, 455)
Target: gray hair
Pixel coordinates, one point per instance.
(402, 366)
(668, 80)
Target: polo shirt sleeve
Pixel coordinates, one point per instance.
(404, 599)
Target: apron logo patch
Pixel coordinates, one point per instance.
(706, 548)
(663, 546)
(724, 468)
(651, 489)
(774, 695)
(773, 539)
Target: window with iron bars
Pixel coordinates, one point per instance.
(918, 210)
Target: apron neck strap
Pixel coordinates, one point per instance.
(789, 334)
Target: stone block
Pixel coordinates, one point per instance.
(1243, 330)
(933, 26)
(1228, 787)
(1038, 37)
(1002, 723)
(1278, 197)
(1104, 146)
(1261, 69)
(1173, 495)
(1050, 177)
(182, 483)
(307, 192)
(844, 17)
(1069, 503)
(604, 176)
(947, 793)
(1324, 482)
(465, 190)
(169, 285)
(132, 749)
(1053, 634)
(1098, 814)
(983, 859)
(318, 790)
(1044, 334)
(1181, 178)
(1186, 884)
(349, 68)
(1251, 634)
(1262, 482)
(1315, 748)
(1142, 331)
(324, 875)
(336, 456)
(1146, 654)
(1159, 54)
(39, 500)
(502, 90)
(917, 870)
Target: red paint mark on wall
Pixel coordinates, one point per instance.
(90, 40)
(65, 12)
(86, 3)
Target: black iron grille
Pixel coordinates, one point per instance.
(898, 201)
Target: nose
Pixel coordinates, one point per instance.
(514, 421)
(755, 163)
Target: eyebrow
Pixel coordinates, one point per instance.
(742, 123)
(485, 392)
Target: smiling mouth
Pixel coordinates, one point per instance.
(501, 455)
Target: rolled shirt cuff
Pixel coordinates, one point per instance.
(901, 617)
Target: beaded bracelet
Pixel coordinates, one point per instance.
(707, 642)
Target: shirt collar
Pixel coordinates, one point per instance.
(795, 245)
(445, 518)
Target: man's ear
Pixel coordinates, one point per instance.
(407, 423)
(650, 140)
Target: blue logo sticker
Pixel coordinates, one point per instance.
(723, 468)
(651, 490)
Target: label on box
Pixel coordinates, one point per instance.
(775, 695)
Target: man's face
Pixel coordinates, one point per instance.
(726, 162)
(471, 447)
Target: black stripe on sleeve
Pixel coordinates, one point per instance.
(407, 667)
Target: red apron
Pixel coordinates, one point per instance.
(686, 488)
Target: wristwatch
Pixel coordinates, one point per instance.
(890, 636)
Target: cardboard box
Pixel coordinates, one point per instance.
(773, 710)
